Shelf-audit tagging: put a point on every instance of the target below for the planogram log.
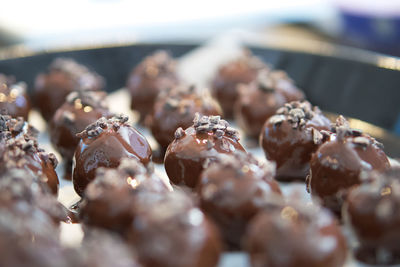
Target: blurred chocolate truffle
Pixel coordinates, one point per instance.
(80, 109)
(19, 149)
(14, 100)
(260, 99)
(63, 76)
(291, 136)
(176, 108)
(372, 211)
(116, 195)
(103, 144)
(174, 225)
(234, 188)
(295, 235)
(154, 74)
(242, 70)
(335, 167)
(208, 137)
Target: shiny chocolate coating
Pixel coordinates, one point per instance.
(154, 74)
(242, 70)
(291, 136)
(295, 236)
(372, 211)
(175, 225)
(261, 98)
(207, 138)
(63, 76)
(335, 167)
(233, 189)
(103, 144)
(14, 100)
(176, 108)
(80, 109)
(116, 195)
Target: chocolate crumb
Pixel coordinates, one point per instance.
(317, 136)
(96, 128)
(213, 124)
(277, 119)
(179, 133)
(361, 141)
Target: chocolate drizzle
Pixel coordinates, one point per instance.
(215, 124)
(96, 128)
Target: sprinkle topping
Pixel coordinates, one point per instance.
(96, 128)
(215, 124)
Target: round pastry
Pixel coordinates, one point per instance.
(234, 188)
(154, 74)
(63, 76)
(20, 150)
(103, 144)
(335, 167)
(174, 225)
(260, 99)
(241, 70)
(205, 140)
(80, 109)
(116, 195)
(294, 235)
(14, 99)
(291, 136)
(176, 108)
(372, 211)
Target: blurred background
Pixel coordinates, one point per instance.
(42, 24)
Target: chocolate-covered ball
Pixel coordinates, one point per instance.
(63, 76)
(19, 149)
(154, 74)
(234, 188)
(295, 236)
(174, 233)
(176, 108)
(335, 167)
(261, 98)
(80, 109)
(116, 195)
(103, 144)
(372, 211)
(291, 136)
(242, 70)
(14, 100)
(205, 140)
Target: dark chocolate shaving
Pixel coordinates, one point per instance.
(317, 136)
(96, 128)
(179, 133)
(10, 127)
(203, 124)
(297, 113)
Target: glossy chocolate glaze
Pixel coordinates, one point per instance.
(372, 211)
(294, 235)
(14, 100)
(242, 70)
(80, 109)
(103, 144)
(63, 76)
(174, 225)
(234, 188)
(291, 136)
(335, 167)
(261, 98)
(203, 141)
(116, 195)
(154, 74)
(176, 108)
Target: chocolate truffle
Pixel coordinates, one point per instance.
(176, 108)
(372, 211)
(242, 70)
(154, 74)
(80, 109)
(335, 167)
(295, 236)
(261, 98)
(116, 195)
(291, 136)
(208, 137)
(175, 225)
(14, 99)
(103, 144)
(233, 189)
(63, 76)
